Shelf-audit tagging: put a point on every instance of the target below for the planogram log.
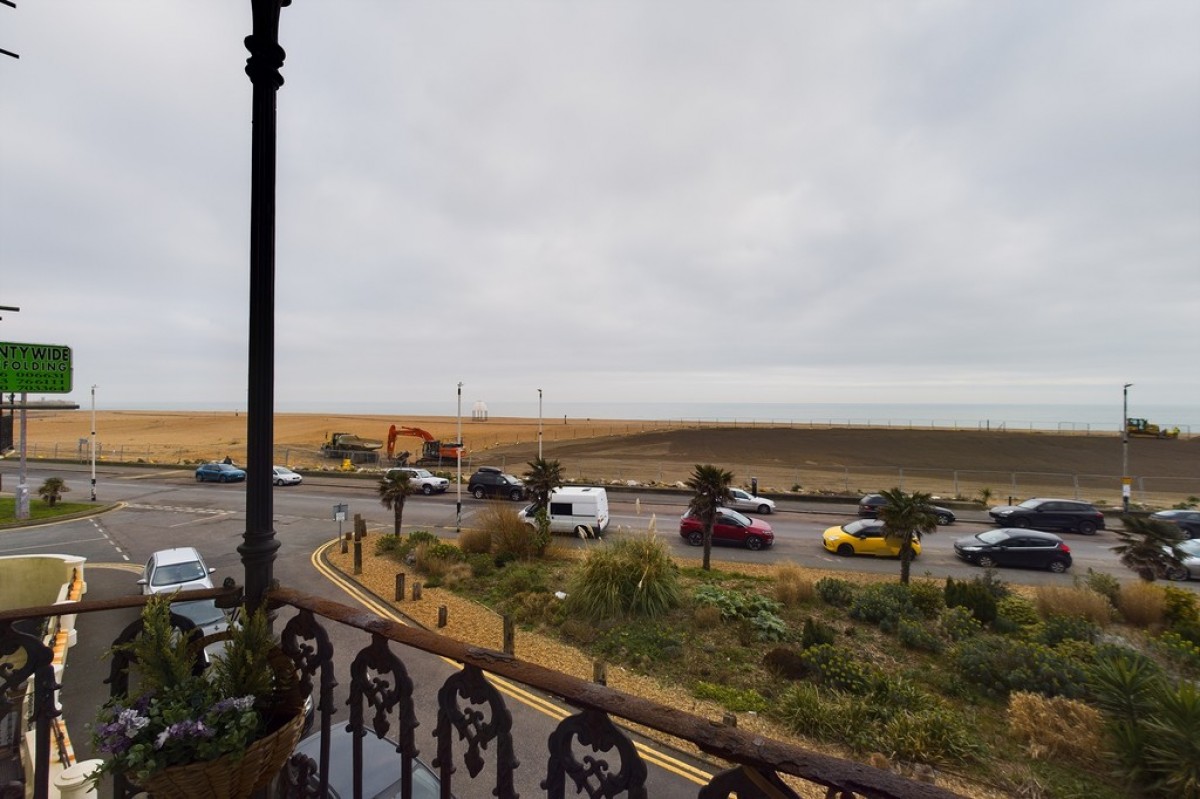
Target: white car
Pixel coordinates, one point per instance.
(283, 476)
(744, 500)
(182, 569)
(421, 480)
(1189, 555)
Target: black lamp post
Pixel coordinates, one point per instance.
(258, 543)
(1126, 486)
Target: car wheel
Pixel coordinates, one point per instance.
(1177, 573)
(845, 550)
(1021, 522)
(987, 561)
(278, 482)
(1087, 528)
(478, 493)
(199, 478)
(427, 489)
(1058, 566)
(754, 543)
(696, 538)
(945, 518)
(583, 531)
(765, 510)
(515, 495)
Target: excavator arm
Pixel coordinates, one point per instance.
(432, 448)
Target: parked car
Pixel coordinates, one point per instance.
(744, 500)
(488, 481)
(574, 510)
(178, 569)
(380, 767)
(283, 476)
(731, 528)
(1188, 521)
(421, 480)
(219, 473)
(1041, 513)
(868, 508)
(1031, 549)
(863, 537)
(1189, 553)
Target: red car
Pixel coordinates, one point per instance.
(731, 528)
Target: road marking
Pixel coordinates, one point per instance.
(513, 690)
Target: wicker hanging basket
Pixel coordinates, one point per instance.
(230, 777)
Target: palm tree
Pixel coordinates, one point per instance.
(906, 517)
(540, 481)
(711, 484)
(1148, 547)
(52, 490)
(393, 491)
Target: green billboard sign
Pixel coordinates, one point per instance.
(35, 368)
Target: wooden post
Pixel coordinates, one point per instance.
(357, 556)
(360, 527)
(345, 543)
(729, 720)
(400, 586)
(599, 672)
(416, 591)
(510, 636)
(442, 613)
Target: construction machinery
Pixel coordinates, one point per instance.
(1140, 427)
(432, 450)
(339, 445)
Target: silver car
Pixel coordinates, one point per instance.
(744, 500)
(1189, 554)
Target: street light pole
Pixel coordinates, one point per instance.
(1126, 483)
(93, 443)
(458, 469)
(539, 424)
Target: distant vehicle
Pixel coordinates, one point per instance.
(341, 445)
(1190, 570)
(744, 500)
(575, 510)
(731, 528)
(283, 476)
(863, 537)
(380, 768)
(432, 450)
(219, 473)
(1050, 514)
(420, 479)
(488, 481)
(1140, 427)
(1187, 521)
(868, 508)
(1031, 549)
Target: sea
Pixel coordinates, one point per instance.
(1062, 417)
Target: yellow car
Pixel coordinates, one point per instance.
(863, 537)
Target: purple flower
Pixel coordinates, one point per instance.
(239, 703)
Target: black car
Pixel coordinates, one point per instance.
(1031, 549)
(1188, 521)
(868, 508)
(1050, 514)
(489, 481)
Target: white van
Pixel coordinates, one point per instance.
(575, 510)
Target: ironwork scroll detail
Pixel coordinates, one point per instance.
(749, 783)
(594, 731)
(477, 728)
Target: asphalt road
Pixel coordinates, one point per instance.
(168, 508)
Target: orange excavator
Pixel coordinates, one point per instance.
(432, 451)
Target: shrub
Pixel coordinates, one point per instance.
(974, 595)
(996, 666)
(883, 604)
(509, 535)
(421, 537)
(816, 633)
(457, 574)
(927, 598)
(388, 543)
(706, 617)
(482, 565)
(631, 576)
(835, 591)
(734, 604)
(959, 623)
(1061, 601)
(837, 668)
(1056, 727)
(917, 635)
(1180, 651)
(785, 662)
(475, 541)
(1068, 628)
(1103, 584)
(933, 734)
(1018, 611)
(768, 627)
(738, 700)
(534, 607)
(792, 587)
(1181, 606)
(1143, 604)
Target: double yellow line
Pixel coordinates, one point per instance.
(506, 687)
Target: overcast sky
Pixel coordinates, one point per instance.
(646, 201)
